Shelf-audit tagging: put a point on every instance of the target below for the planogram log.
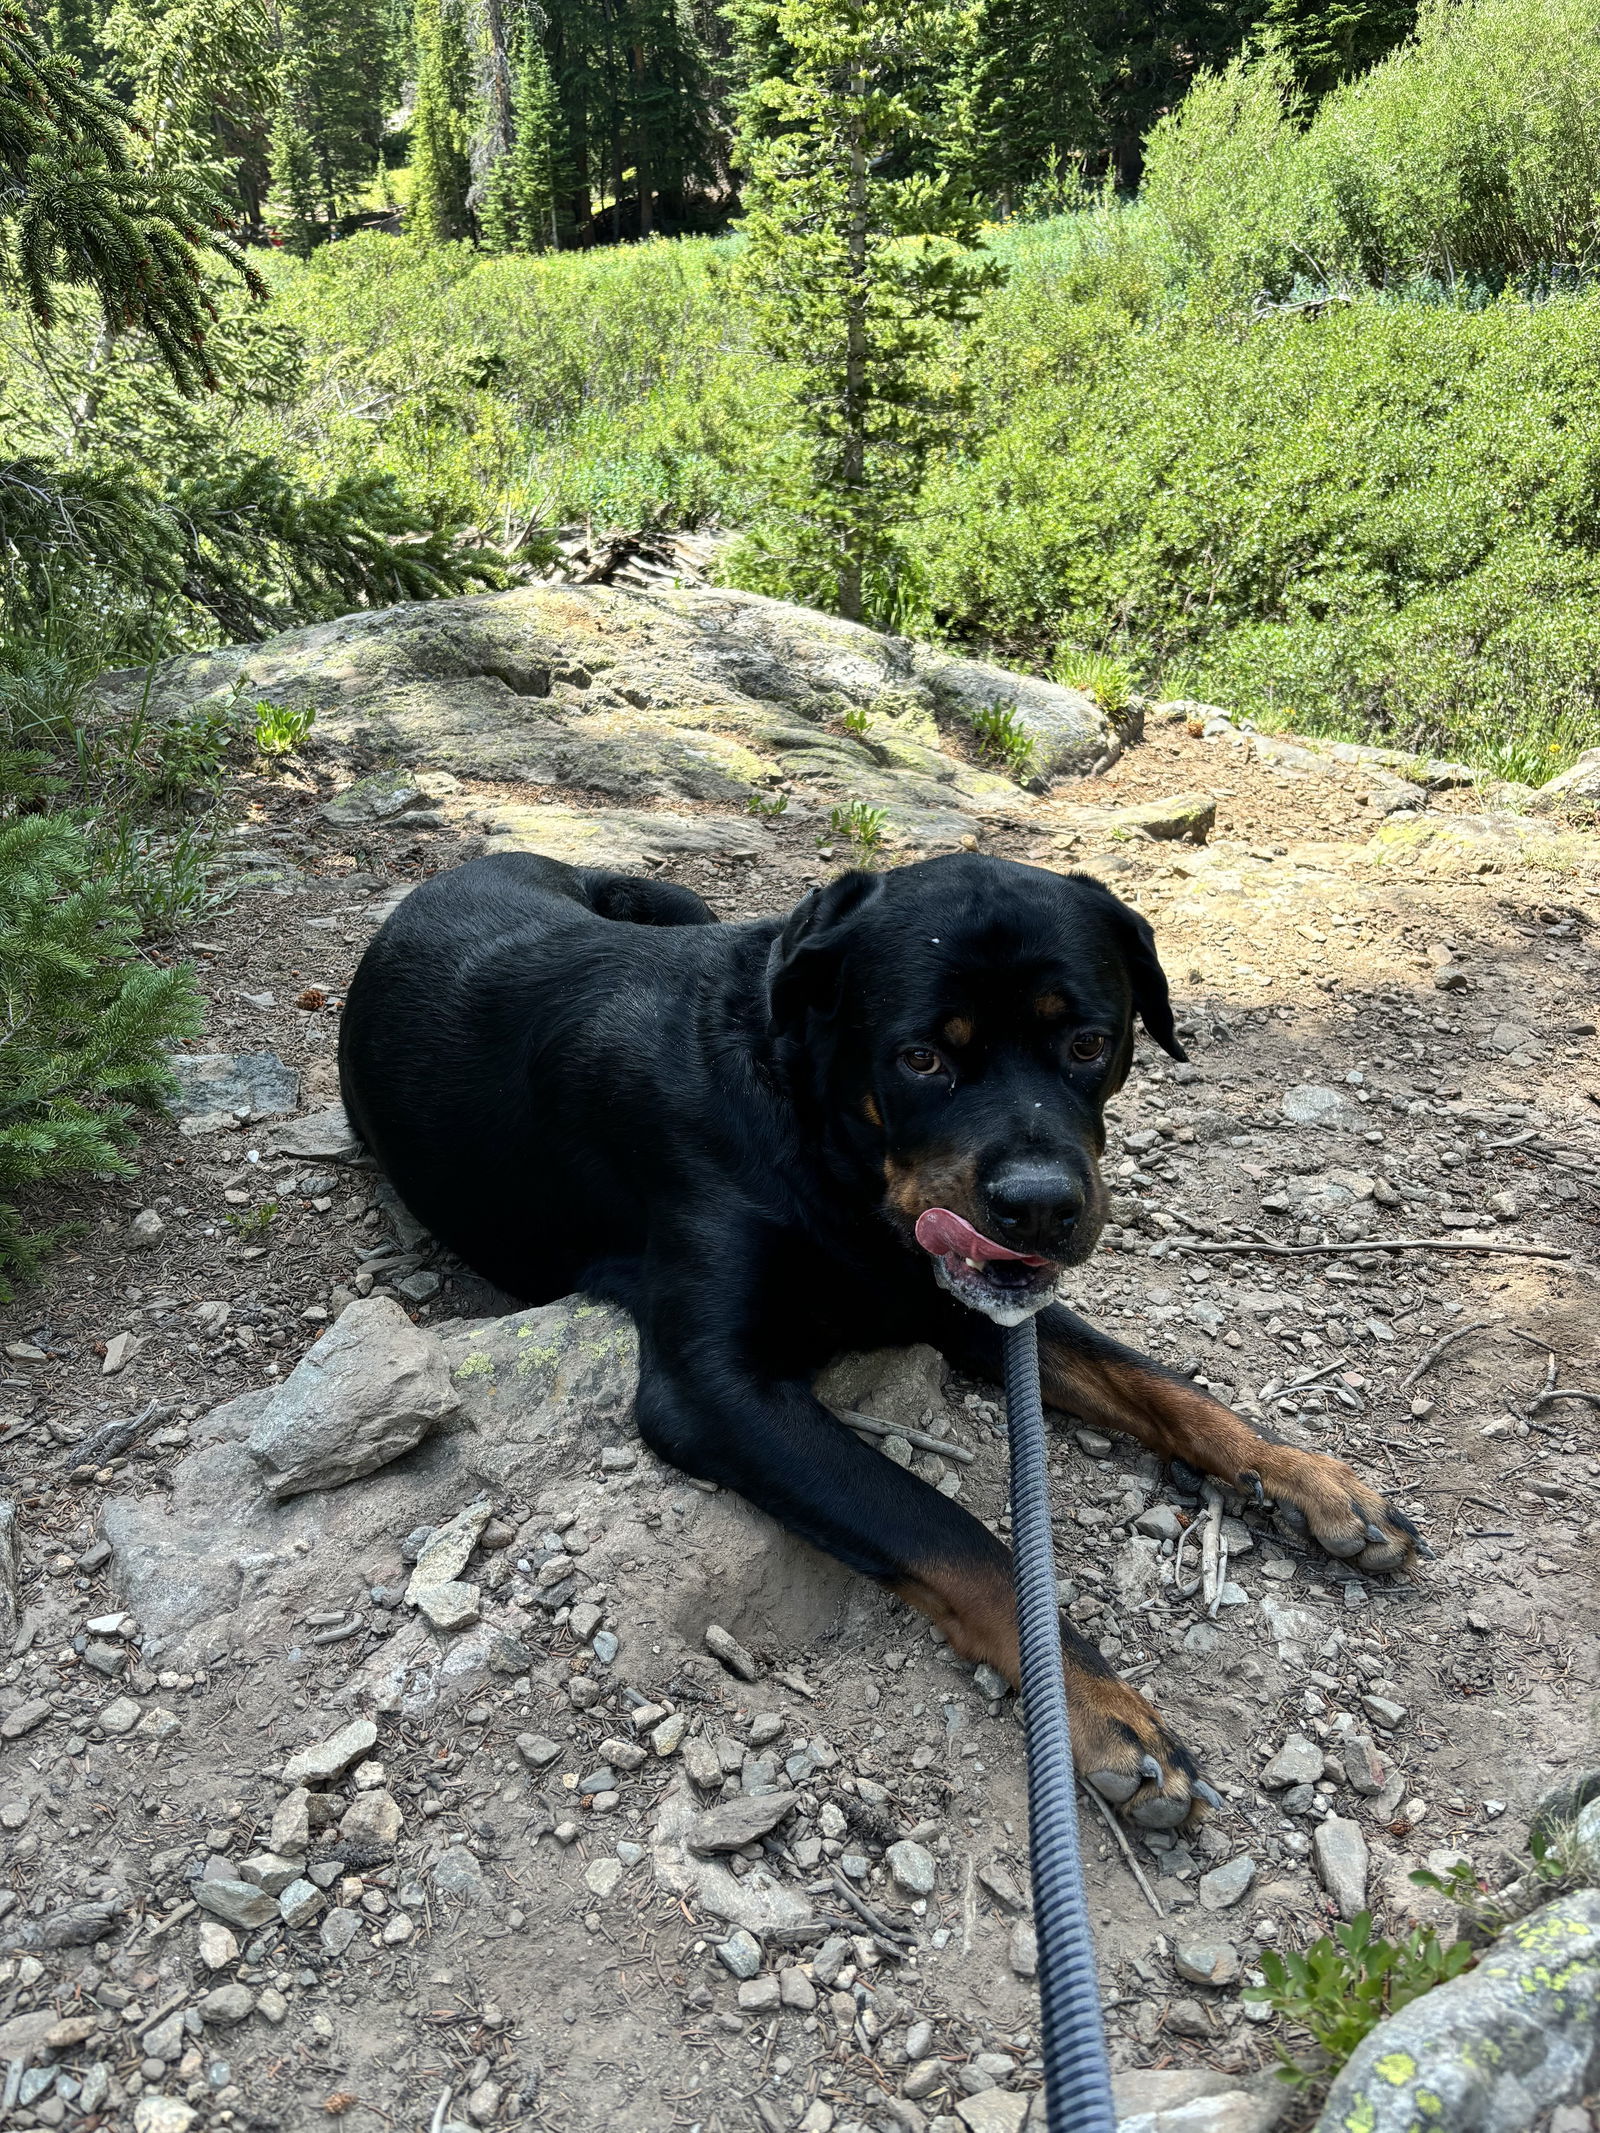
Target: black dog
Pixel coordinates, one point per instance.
(872, 1123)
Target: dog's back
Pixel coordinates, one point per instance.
(481, 974)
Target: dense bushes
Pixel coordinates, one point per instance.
(614, 384)
(1386, 517)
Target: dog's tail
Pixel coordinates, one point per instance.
(642, 903)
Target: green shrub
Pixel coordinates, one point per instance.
(86, 1021)
(1097, 674)
(1342, 1987)
(1386, 516)
(860, 825)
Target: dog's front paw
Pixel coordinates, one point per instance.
(1125, 1751)
(1324, 1497)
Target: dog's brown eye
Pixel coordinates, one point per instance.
(921, 1059)
(1088, 1044)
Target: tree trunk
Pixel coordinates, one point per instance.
(641, 149)
(494, 27)
(854, 455)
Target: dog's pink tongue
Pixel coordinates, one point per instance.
(947, 1236)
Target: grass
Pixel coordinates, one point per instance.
(1001, 740)
(861, 826)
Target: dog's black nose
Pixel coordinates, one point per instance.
(1034, 1205)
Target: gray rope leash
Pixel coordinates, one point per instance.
(1077, 2073)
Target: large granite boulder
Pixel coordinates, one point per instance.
(692, 694)
(1491, 2052)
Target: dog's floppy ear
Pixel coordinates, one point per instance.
(1136, 939)
(803, 969)
(1151, 998)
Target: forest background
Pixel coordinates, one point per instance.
(1189, 347)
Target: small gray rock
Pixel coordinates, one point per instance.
(300, 1903)
(732, 1824)
(227, 2003)
(731, 1652)
(912, 1866)
(458, 1875)
(1206, 1962)
(338, 1930)
(1384, 1713)
(369, 1391)
(1340, 1851)
(1310, 1104)
(331, 1758)
(256, 1084)
(740, 1953)
(537, 1750)
(1226, 1885)
(236, 1903)
(1297, 1762)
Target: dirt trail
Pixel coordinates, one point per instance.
(1391, 1038)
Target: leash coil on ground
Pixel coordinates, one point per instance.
(1077, 2074)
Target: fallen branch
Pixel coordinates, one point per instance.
(917, 1437)
(874, 1919)
(1125, 1848)
(1477, 1325)
(1543, 1399)
(1384, 1244)
(1213, 1553)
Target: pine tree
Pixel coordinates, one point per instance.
(336, 75)
(1032, 106)
(87, 1020)
(848, 296)
(74, 207)
(1326, 41)
(521, 205)
(440, 125)
(202, 77)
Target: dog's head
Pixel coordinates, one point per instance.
(959, 1025)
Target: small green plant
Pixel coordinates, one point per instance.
(856, 720)
(1098, 675)
(280, 730)
(1341, 1988)
(769, 806)
(182, 760)
(861, 824)
(1001, 740)
(87, 1020)
(252, 1222)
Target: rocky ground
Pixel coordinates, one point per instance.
(517, 1779)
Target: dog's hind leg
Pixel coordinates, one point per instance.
(780, 1448)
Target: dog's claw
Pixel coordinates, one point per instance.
(1428, 1554)
(1208, 1793)
(1117, 1786)
(1376, 1533)
(1153, 1771)
(1252, 1481)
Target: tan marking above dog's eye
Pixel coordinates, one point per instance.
(1050, 1006)
(1088, 1044)
(958, 1030)
(870, 1111)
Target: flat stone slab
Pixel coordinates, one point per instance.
(256, 1084)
